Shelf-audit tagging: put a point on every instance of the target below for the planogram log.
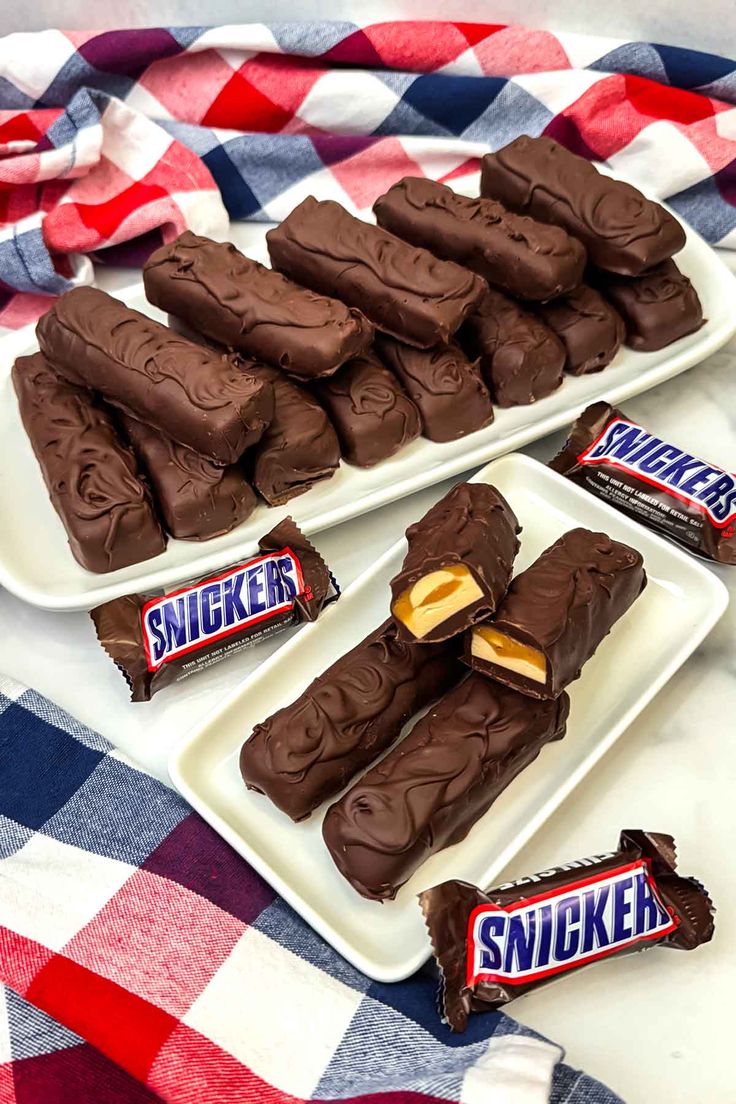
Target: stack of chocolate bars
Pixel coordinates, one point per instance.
(360, 339)
(455, 604)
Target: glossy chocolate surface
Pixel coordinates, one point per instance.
(446, 386)
(92, 477)
(564, 605)
(528, 259)
(310, 750)
(621, 229)
(589, 328)
(372, 414)
(197, 397)
(657, 308)
(472, 525)
(299, 448)
(430, 790)
(405, 291)
(521, 359)
(198, 499)
(241, 304)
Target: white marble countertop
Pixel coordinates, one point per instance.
(654, 1026)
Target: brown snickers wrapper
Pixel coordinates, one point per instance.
(495, 946)
(680, 496)
(160, 637)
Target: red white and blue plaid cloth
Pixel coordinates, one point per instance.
(110, 140)
(143, 960)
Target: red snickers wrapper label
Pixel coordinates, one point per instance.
(163, 637)
(492, 947)
(660, 484)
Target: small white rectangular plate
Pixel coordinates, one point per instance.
(388, 941)
(37, 564)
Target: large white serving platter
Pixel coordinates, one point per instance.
(388, 941)
(36, 562)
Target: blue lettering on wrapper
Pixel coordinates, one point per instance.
(490, 954)
(155, 634)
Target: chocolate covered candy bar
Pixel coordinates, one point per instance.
(495, 946)
(556, 613)
(458, 565)
(521, 359)
(430, 790)
(195, 396)
(299, 448)
(403, 290)
(657, 308)
(661, 485)
(197, 498)
(589, 328)
(92, 478)
(243, 305)
(310, 750)
(447, 388)
(528, 259)
(160, 637)
(371, 412)
(621, 229)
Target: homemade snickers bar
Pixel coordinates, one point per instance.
(556, 613)
(458, 565)
(405, 291)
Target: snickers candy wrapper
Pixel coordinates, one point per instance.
(660, 484)
(162, 637)
(495, 946)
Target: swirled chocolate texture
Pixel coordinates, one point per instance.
(447, 388)
(589, 328)
(520, 357)
(430, 790)
(310, 750)
(371, 412)
(195, 396)
(92, 478)
(299, 448)
(241, 304)
(621, 229)
(458, 564)
(556, 613)
(405, 291)
(657, 308)
(198, 499)
(529, 259)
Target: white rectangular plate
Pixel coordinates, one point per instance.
(36, 562)
(388, 941)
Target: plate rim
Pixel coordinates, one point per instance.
(706, 578)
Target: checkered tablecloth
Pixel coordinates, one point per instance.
(143, 960)
(111, 140)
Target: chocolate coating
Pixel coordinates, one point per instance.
(241, 304)
(430, 790)
(310, 750)
(657, 308)
(92, 477)
(447, 388)
(192, 394)
(621, 229)
(299, 448)
(403, 290)
(373, 415)
(564, 605)
(197, 498)
(589, 328)
(520, 357)
(472, 525)
(528, 259)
